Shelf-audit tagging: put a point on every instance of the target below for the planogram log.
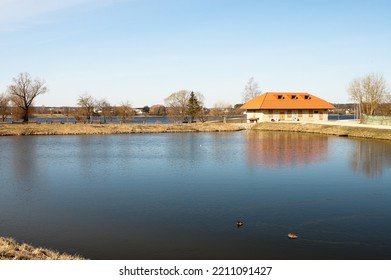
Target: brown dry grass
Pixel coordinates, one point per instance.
(7, 129)
(350, 131)
(11, 250)
(84, 129)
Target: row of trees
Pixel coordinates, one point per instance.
(89, 107)
(370, 92)
(188, 106)
(184, 106)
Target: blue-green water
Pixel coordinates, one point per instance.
(179, 196)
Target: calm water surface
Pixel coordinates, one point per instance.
(179, 196)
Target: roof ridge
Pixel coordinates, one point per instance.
(264, 98)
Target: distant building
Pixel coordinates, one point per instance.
(286, 106)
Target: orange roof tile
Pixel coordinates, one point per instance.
(287, 100)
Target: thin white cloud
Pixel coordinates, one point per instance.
(14, 13)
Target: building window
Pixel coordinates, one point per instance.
(307, 97)
(270, 113)
(316, 112)
(294, 96)
(311, 113)
(289, 113)
(300, 113)
(280, 97)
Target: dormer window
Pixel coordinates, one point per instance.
(280, 97)
(307, 97)
(294, 96)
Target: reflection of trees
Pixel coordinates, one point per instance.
(93, 151)
(23, 155)
(187, 150)
(370, 157)
(183, 150)
(278, 149)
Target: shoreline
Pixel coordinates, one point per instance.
(11, 250)
(24, 129)
(335, 128)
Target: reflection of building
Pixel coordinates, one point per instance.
(291, 106)
(279, 149)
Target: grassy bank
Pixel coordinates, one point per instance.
(86, 129)
(7, 129)
(350, 131)
(11, 250)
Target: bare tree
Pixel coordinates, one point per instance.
(104, 108)
(157, 110)
(177, 104)
(221, 110)
(24, 90)
(4, 106)
(369, 92)
(87, 105)
(251, 90)
(125, 111)
(203, 114)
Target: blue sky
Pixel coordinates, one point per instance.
(143, 50)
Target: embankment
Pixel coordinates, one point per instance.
(11, 250)
(329, 129)
(89, 129)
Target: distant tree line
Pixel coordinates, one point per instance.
(182, 106)
(371, 94)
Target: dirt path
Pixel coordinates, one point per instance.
(354, 123)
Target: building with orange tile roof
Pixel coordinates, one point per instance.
(286, 106)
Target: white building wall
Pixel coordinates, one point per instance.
(286, 115)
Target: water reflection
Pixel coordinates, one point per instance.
(92, 151)
(281, 149)
(188, 150)
(23, 155)
(179, 196)
(370, 157)
(23, 158)
(183, 150)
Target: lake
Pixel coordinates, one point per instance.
(179, 196)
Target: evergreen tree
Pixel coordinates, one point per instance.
(193, 107)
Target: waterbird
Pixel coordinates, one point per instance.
(292, 236)
(239, 224)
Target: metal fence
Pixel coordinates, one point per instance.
(381, 120)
